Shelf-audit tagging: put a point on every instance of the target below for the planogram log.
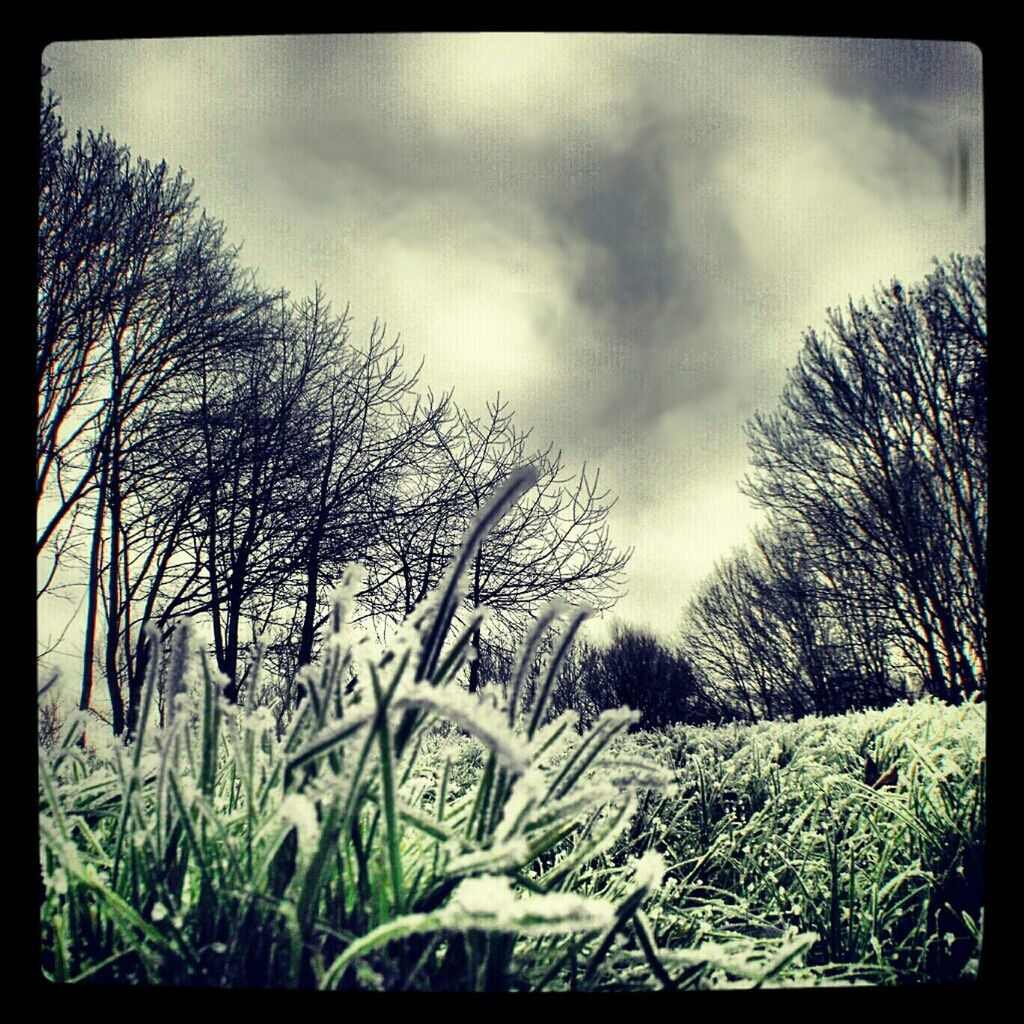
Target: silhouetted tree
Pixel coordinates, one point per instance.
(207, 448)
(637, 670)
(134, 287)
(360, 460)
(553, 543)
(878, 456)
(773, 634)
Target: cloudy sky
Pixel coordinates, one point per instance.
(625, 236)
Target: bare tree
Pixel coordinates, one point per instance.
(133, 288)
(360, 462)
(207, 448)
(878, 454)
(368, 433)
(778, 632)
(637, 670)
(251, 428)
(203, 447)
(553, 543)
(728, 643)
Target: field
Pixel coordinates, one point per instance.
(404, 834)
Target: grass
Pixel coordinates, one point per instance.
(772, 833)
(404, 834)
(211, 853)
(776, 828)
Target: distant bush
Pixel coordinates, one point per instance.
(637, 670)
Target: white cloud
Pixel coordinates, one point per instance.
(472, 320)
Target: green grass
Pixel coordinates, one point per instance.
(776, 829)
(771, 835)
(408, 835)
(212, 853)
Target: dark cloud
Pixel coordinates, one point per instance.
(640, 240)
(628, 223)
(357, 154)
(647, 243)
(929, 91)
(897, 72)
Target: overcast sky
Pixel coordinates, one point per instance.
(625, 235)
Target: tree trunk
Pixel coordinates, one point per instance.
(308, 634)
(229, 666)
(474, 665)
(135, 682)
(113, 574)
(92, 605)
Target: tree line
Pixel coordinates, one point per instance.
(869, 582)
(207, 447)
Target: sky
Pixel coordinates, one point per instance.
(625, 235)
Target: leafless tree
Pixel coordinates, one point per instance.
(553, 543)
(726, 640)
(205, 447)
(359, 463)
(879, 455)
(777, 632)
(133, 287)
(639, 671)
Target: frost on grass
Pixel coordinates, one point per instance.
(527, 792)
(501, 857)
(649, 870)
(480, 719)
(182, 647)
(553, 741)
(298, 810)
(636, 774)
(576, 806)
(603, 830)
(489, 903)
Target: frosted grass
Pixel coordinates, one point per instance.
(213, 853)
(405, 834)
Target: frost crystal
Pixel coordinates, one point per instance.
(650, 870)
(476, 717)
(528, 790)
(300, 811)
(490, 903)
(498, 858)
